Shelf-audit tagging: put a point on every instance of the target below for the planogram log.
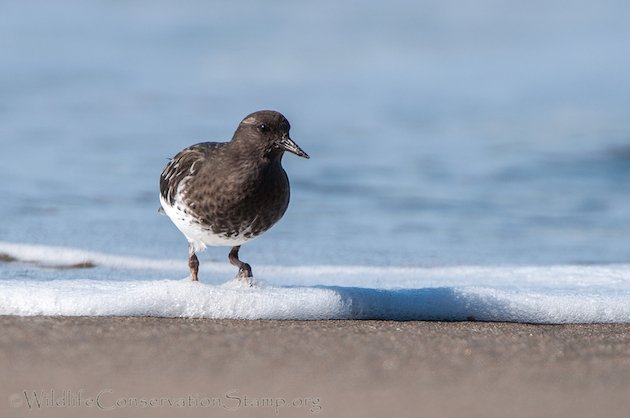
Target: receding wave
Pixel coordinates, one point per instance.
(534, 294)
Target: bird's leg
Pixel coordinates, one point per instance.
(244, 269)
(193, 263)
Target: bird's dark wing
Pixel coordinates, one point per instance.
(184, 164)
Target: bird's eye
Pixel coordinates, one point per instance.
(263, 127)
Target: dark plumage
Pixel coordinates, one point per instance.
(228, 193)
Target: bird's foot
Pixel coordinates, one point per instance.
(193, 264)
(245, 274)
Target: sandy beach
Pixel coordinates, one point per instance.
(108, 366)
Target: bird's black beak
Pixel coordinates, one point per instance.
(287, 144)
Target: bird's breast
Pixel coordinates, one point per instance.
(243, 200)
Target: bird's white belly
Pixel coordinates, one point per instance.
(195, 233)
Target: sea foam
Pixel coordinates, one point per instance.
(534, 294)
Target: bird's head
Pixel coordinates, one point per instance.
(268, 131)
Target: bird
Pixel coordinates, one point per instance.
(228, 193)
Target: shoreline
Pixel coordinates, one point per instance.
(314, 368)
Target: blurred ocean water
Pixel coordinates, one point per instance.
(441, 133)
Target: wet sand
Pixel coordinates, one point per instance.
(115, 367)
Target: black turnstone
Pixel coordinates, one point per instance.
(228, 193)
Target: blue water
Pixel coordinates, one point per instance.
(440, 133)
